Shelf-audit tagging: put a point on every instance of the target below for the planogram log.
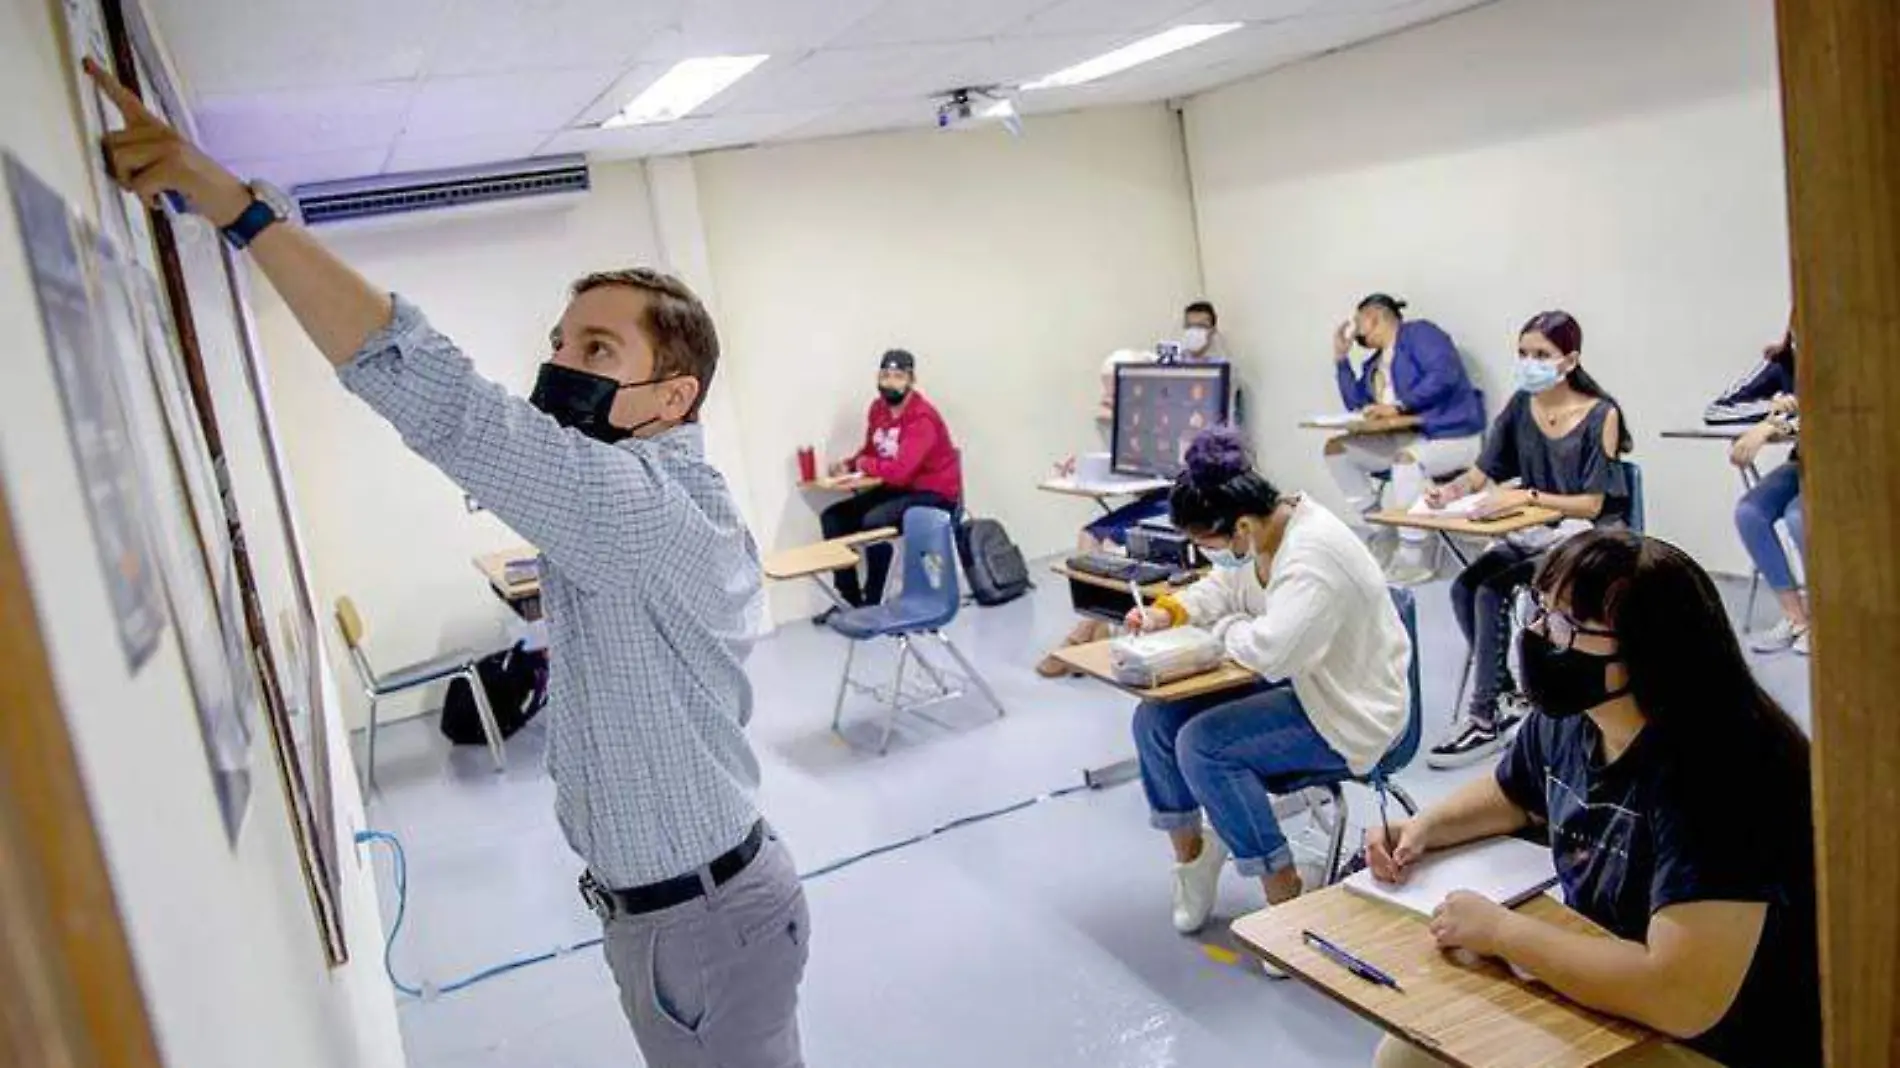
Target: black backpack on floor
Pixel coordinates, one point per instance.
(995, 566)
(517, 684)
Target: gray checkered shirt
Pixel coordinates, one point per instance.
(648, 576)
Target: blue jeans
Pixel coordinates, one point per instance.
(1776, 496)
(1219, 753)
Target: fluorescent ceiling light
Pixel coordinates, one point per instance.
(689, 84)
(1142, 51)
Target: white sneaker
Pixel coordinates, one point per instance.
(1197, 884)
(1800, 645)
(1783, 635)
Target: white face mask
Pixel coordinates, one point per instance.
(1196, 338)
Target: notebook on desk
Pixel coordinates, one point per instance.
(1342, 419)
(1509, 871)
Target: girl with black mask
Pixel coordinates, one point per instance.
(1675, 795)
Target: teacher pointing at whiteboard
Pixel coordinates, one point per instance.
(648, 578)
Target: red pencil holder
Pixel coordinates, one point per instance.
(807, 464)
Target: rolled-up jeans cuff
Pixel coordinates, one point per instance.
(1175, 821)
(1261, 867)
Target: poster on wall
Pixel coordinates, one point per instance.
(95, 422)
(194, 553)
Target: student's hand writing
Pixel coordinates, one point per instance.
(150, 158)
(840, 469)
(1379, 411)
(1410, 841)
(1785, 404)
(1145, 620)
(1442, 495)
(1749, 445)
(1342, 340)
(1467, 921)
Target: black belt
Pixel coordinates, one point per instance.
(675, 891)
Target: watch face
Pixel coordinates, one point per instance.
(279, 202)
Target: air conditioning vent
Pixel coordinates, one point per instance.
(408, 194)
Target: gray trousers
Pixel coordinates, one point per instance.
(713, 983)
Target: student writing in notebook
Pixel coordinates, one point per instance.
(1555, 445)
(1296, 597)
(1676, 797)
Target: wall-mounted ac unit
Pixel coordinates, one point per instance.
(548, 182)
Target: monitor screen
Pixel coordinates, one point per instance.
(1159, 409)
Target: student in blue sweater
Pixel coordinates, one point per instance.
(1414, 369)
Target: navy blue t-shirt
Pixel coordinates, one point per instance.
(1631, 838)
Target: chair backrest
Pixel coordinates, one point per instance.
(1633, 473)
(930, 566)
(1406, 747)
(350, 624)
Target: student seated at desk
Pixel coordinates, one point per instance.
(1297, 597)
(1559, 438)
(1414, 369)
(1766, 398)
(1676, 796)
(908, 448)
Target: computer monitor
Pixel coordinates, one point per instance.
(1159, 409)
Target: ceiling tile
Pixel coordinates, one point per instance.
(291, 171)
(494, 103)
(1253, 10)
(922, 21)
(847, 76)
(237, 46)
(296, 121)
(748, 27)
(495, 36)
(726, 131)
(1015, 60)
(1132, 17)
(626, 142)
(429, 154)
(863, 118)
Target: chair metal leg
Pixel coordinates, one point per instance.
(897, 696)
(844, 684)
(936, 677)
(1748, 614)
(491, 729)
(1464, 683)
(976, 679)
(1404, 799)
(1337, 845)
(371, 776)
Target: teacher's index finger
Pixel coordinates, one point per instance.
(128, 104)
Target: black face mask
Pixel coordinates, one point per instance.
(1562, 682)
(893, 397)
(582, 400)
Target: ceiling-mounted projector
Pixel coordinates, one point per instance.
(978, 104)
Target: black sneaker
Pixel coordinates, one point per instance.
(823, 619)
(1473, 741)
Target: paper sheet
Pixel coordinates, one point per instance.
(1508, 871)
(1341, 419)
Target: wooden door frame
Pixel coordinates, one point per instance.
(1840, 78)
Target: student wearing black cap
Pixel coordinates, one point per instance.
(907, 447)
(1414, 369)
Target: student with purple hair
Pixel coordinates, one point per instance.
(1556, 445)
(1296, 596)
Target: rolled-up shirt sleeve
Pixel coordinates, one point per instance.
(600, 511)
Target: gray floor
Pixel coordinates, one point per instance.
(1040, 938)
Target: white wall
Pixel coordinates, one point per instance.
(1010, 267)
(1618, 158)
(386, 528)
(223, 937)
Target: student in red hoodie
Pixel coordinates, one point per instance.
(908, 448)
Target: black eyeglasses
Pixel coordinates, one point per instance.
(1534, 614)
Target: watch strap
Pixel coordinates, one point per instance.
(254, 220)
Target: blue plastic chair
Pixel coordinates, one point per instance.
(1379, 779)
(927, 604)
(1638, 519)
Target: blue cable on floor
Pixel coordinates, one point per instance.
(427, 992)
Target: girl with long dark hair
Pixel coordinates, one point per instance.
(1556, 445)
(1297, 597)
(1677, 800)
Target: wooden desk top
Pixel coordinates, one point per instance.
(1149, 592)
(494, 567)
(1118, 487)
(1092, 660)
(1474, 1016)
(1525, 518)
(864, 537)
(814, 559)
(842, 483)
(1365, 427)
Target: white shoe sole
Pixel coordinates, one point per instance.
(1452, 761)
